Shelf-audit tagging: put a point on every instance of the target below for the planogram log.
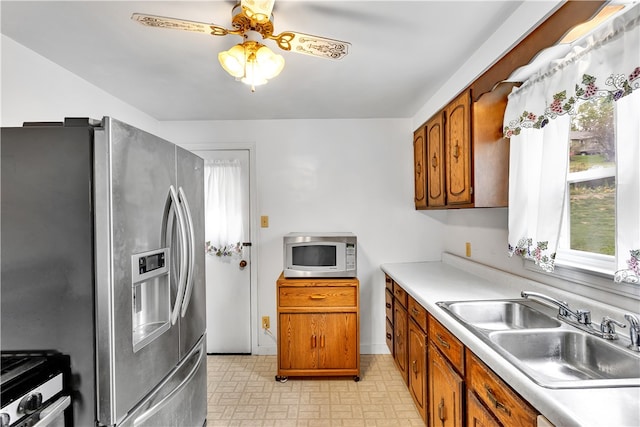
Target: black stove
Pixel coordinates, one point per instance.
(34, 388)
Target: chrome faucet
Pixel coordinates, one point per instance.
(634, 331)
(608, 329)
(582, 317)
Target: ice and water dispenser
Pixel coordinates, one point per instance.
(151, 300)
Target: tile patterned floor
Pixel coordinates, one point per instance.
(242, 391)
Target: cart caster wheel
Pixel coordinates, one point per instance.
(282, 379)
(356, 378)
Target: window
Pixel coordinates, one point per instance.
(574, 176)
(588, 236)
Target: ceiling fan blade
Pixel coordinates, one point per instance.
(180, 24)
(308, 44)
(259, 10)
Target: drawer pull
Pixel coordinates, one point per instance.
(442, 341)
(414, 311)
(388, 305)
(414, 366)
(496, 403)
(313, 341)
(389, 336)
(317, 296)
(322, 341)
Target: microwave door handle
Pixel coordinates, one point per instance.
(172, 209)
(192, 250)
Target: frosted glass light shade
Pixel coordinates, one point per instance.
(251, 62)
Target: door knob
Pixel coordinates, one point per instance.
(243, 264)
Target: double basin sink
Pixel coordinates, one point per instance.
(552, 353)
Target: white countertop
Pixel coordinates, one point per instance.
(458, 279)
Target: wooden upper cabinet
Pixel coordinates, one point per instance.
(457, 139)
(419, 167)
(467, 157)
(435, 162)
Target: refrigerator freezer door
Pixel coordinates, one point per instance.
(179, 400)
(190, 171)
(133, 173)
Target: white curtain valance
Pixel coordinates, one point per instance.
(605, 63)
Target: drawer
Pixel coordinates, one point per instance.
(509, 408)
(417, 313)
(388, 305)
(389, 335)
(388, 283)
(449, 345)
(400, 294)
(326, 296)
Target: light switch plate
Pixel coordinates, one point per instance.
(264, 221)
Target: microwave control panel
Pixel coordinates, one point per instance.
(351, 256)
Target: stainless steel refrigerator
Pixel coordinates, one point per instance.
(102, 253)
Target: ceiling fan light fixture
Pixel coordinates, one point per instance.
(251, 62)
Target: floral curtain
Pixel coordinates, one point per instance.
(605, 63)
(223, 207)
(628, 189)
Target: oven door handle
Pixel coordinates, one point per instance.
(53, 411)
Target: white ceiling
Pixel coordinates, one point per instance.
(401, 53)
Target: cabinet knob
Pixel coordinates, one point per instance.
(243, 264)
(388, 305)
(389, 336)
(434, 161)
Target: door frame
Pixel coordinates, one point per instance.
(253, 265)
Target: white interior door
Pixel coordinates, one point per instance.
(228, 278)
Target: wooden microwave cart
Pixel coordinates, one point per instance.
(318, 327)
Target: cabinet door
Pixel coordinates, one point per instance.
(477, 414)
(299, 341)
(400, 339)
(445, 392)
(458, 150)
(337, 341)
(419, 168)
(435, 162)
(417, 367)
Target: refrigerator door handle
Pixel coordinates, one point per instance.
(173, 206)
(192, 250)
(195, 352)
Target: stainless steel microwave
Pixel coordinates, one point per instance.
(320, 255)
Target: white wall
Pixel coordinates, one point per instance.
(35, 89)
(331, 175)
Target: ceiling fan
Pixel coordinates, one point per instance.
(251, 61)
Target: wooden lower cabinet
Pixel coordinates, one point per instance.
(477, 414)
(450, 385)
(500, 400)
(446, 392)
(318, 327)
(418, 367)
(400, 335)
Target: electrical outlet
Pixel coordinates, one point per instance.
(266, 324)
(468, 249)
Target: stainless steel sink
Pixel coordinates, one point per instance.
(553, 354)
(501, 314)
(566, 358)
